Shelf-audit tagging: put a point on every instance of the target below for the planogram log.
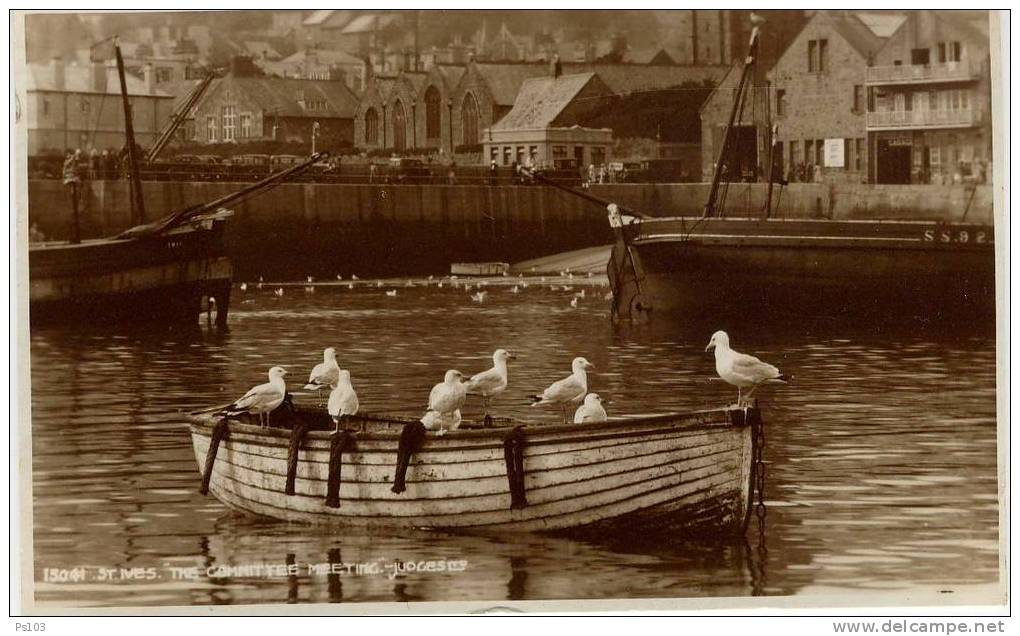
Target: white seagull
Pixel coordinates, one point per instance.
(262, 399)
(448, 396)
(449, 422)
(479, 297)
(591, 411)
(392, 293)
(739, 369)
(342, 399)
(492, 382)
(325, 373)
(570, 389)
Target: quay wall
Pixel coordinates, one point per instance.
(376, 230)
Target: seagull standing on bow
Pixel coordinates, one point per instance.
(261, 400)
(324, 374)
(570, 389)
(591, 411)
(342, 399)
(492, 382)
(739, 369)
(447, 398)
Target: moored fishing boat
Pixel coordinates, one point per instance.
(689, 473)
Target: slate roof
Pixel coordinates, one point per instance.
(369, 23)
(856, 33)
(629, 78)
(280, 95)
(541, 100)
(504, 79)
(76, 80)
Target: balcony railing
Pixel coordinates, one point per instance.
(923, 73)
(892, 119)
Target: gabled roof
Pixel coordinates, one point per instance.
(281, 95)
(882, 24)
(542, 99)
(451, 73)
(318, 17)
(369, 23)
(322, 56)
(504, 79)
(630, 78)
(77, 80)
(856, 33)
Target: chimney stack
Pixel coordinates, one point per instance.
(97, 76)
(149, 74)
(59, 73)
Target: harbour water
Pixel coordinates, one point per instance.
(881, 453)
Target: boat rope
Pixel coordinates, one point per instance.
(297, 435)
(338, 442)
(513, 452)
(411, 438)
(758, 569)
(220, 432)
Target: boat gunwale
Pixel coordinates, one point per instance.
(812, 221)
(202, 423)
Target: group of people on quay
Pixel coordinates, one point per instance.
(448, 397)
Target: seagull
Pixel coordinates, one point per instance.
(580, 294)
(607, 296)
(515, 290)
(492, 382)
(449, 422)
(244, 286)
(440, 285)
(350, 285)
(342, 399)
(570, 389)
(591, 411)
(260, 282)
(408, 284)
(391, 293)
(573, 302)
(479, 297)
(447, 396)
(278, 291)
(339, 277)
(739, 369)
(310, 279)
(354, 277)
(309, 289)
(378, 283)
(262, 399)
(325, 373)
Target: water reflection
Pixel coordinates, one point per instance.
(881, 453)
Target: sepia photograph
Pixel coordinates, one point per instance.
(393, 311)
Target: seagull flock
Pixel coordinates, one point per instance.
(447, 398)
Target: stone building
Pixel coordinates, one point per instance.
(70, 107)
(239, 109)
(322, 64)
(819, 101)
(369, 131)
(542, 128)
(929, 100)
(749, 129)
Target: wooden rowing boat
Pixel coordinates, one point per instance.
(687, 472)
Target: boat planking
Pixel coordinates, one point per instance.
(689, 474)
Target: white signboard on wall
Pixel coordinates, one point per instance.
(834, 153)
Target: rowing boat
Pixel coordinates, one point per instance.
(686, 472)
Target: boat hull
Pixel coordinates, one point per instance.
(157, 278)
(808, 268)
(686, 473)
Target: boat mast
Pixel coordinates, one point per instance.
(749, 62)
(137, 200)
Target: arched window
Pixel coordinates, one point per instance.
(399, 126)
(371, 127)
(469, 120)
(433, 113)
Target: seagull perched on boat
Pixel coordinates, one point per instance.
(739, 369)
(447, 396)
(342, 399)
(570, 389)
(492, 382)
(261, 400)
(591, 411)
(324, 374)
(449, 422)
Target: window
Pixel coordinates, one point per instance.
(899, 102)
(229, 115)
(433, 113)
(520, 155)
(818, 56)
(598, 155)
(85, 105)
(469, 120)
(780, 103)
(935, 156)
(820, 152)
(848, 145)
(164, 74)
(559, 152)
(245, 125)
(808, 151)
(399, 126)
(371, 126)
(942, 52)
(859, 155)
(823, 55)
(507, 154)
(920, 57)
(45, 107)
(933, 100)
(858, 98)
(955, 52)
(871, 99)
(812, 56)
(493, 154)
(210, 129)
